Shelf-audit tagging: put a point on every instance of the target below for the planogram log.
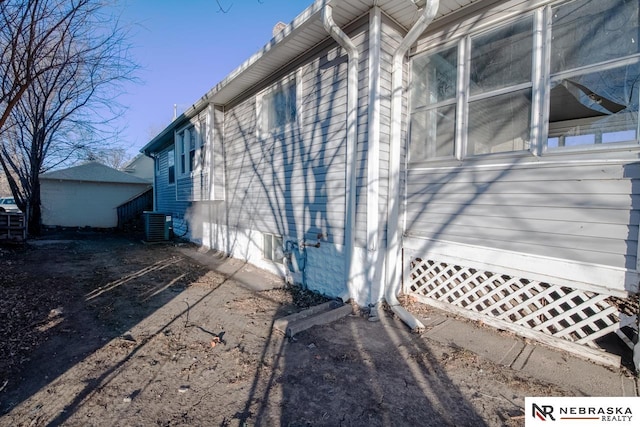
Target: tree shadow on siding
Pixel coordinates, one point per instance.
(291, 183)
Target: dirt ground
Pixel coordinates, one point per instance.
(98, 329)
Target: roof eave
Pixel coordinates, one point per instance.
(305, 18)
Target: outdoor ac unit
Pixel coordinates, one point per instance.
(157, 226)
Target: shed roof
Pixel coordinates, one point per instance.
(93, 172)
(301, 35)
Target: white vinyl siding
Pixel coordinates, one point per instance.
(291, 182)
(567, 211)
(571, 194)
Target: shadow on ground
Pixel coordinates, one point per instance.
(103, 330)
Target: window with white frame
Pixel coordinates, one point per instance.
(585, 83)
(594, 73)
(192, 148)
(499, 86)
(272, 247)
(202, 143)
(277, 107)
(190, 143)
(434, 105)
(182, 152)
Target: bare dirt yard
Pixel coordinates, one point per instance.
(102, 330)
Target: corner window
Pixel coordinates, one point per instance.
(595, 73)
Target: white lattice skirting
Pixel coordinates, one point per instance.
(568, 318)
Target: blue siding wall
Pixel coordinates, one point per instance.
(166, 194)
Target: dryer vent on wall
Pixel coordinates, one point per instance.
(157, 226)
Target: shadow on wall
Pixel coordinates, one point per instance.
(288, 183)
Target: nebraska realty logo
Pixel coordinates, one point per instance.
(582, 411)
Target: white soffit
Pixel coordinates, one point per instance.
(301, 35)
(307, 31)
(447, 7)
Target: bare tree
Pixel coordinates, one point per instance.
(114, 157)
(31, 34)
(66, 110)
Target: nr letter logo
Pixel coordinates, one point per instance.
(543, 412)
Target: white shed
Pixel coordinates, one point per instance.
(140, 166)
(87, 195)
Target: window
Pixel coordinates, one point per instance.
(181, 150)
(171, 166)
(434, 105)
(582, 75)
(277, 108)
(191, 146)
(280, 106)
(202, 144)
(272, 247)
(594, 73)
(500, 89)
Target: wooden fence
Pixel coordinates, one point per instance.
(133, 208)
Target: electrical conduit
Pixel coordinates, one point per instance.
(393, 256)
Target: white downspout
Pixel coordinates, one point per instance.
(352, 134)
(394, 255)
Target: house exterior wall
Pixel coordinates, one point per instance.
(165, 193)
(291, 184)
(571, 217)
(565, 209)
(74, 203)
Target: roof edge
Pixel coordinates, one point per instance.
(311, 12)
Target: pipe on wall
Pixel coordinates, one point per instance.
(394, 255)
(352, 134)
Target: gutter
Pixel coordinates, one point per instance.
(352, 134)
(394, 256)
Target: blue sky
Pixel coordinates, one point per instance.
(186, 47)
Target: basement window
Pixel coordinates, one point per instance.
(272, 247)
